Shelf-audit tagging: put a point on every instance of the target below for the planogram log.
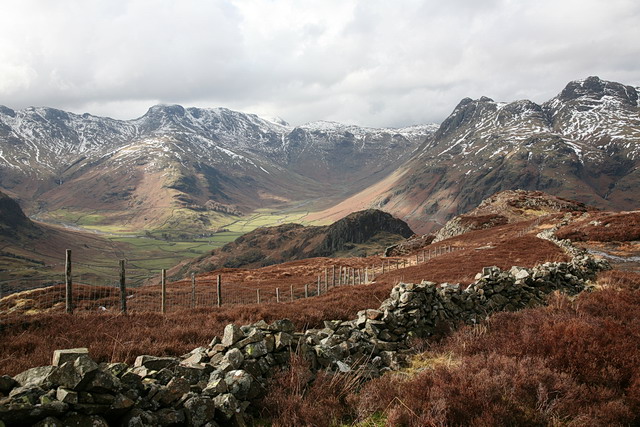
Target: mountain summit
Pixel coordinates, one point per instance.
(583, 144)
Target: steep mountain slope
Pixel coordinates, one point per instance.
(584, 144)
(176, 163)
(36, 251)
(358, 234)
(350, 155)
(14, 224)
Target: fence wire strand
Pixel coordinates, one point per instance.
(97, 288)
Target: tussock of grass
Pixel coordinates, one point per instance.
(431, 361)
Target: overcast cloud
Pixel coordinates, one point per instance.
(367, 62)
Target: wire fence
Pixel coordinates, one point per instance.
(119, 289)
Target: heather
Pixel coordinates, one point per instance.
(573, 362)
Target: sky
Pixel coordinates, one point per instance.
(375, 63)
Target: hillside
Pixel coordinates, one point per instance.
(32, 254)
(192, 171)
(359, 234)
(14, 224)
(543, 356)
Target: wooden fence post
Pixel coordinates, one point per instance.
(277, 294)
(123, 289)
(318, 285)
(193, 290)
(163, 289)
(326, 279)
(258, 296)
(219, 289)
(333, 275)
(67, 282)
(306, 290)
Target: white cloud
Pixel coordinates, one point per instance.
(373, 62)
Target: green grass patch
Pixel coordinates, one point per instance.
(186, 234)
(151, 255)
(78, 218)
(265, 218)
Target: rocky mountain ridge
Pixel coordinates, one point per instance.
(583, 144)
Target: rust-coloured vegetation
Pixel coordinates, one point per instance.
(298, 397)
(570, 363)
(575, 362)
(476, 222)
(29, 340)
(604, 227)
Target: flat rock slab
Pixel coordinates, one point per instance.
(155, 363)
(66, 355)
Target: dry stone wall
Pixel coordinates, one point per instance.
(217, 384)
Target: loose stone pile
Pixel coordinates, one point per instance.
(216, 385)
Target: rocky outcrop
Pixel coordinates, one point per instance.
(507, 207)
(216, 384)
(359, 227)
(410, 245)
(465, 223)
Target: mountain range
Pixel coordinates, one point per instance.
(196, 162)
(189, 165)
